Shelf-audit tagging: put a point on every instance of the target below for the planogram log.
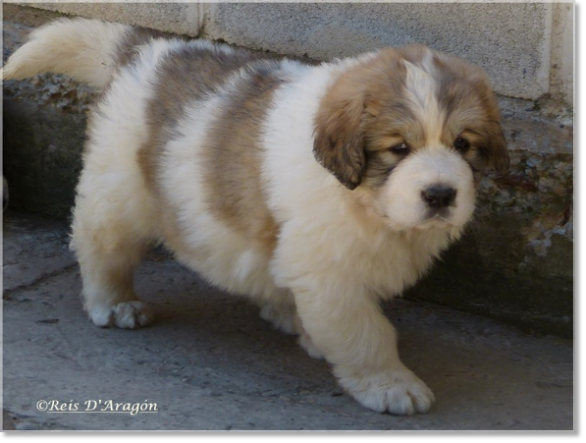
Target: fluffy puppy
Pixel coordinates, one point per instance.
(315, 190)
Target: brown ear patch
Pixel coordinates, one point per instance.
(496, 151)
(495, 145)
(469, 101)
(340, 151)
(369, 92)
(338, 139)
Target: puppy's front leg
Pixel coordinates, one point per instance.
(350, 329)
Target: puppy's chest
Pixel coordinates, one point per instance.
(399, 262)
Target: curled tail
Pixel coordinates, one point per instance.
(86, 50)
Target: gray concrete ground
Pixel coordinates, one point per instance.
(210, 363)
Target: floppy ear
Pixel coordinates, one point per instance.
(338, 139)
(497, 152)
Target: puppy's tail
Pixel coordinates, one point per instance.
(86, 50)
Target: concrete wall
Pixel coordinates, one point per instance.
(562, 52)
(526, 48)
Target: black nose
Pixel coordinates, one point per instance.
(438, 196)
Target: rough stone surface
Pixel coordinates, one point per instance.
(29, 16)
(42, 148)
(515, 263)
(179, 18)
(507, 40)
(513, 42)
(210, 363)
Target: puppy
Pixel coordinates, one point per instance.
(315, 190)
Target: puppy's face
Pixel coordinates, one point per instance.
(414, 130)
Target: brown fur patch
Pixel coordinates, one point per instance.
(233, 156)
(338, 137)
(183, 77)
(231, 151)
(466, 95)
(127, 48)
(380, 164)
(351, 134)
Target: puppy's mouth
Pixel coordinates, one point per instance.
(437, 219)
(432, 219)
(443, 214)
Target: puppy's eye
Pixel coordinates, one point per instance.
(462, 145)
(400, 149)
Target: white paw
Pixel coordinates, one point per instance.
(399, 392)
(126, 315)
(280, 316)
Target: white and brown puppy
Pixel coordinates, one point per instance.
(315, 190)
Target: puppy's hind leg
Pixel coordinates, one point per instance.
(109, 240)
(108, 292)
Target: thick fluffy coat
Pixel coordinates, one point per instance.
(315, 190)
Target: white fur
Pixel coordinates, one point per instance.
(403, 205)
(81, 48)
(338, 251)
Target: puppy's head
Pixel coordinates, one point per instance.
(415, 130)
